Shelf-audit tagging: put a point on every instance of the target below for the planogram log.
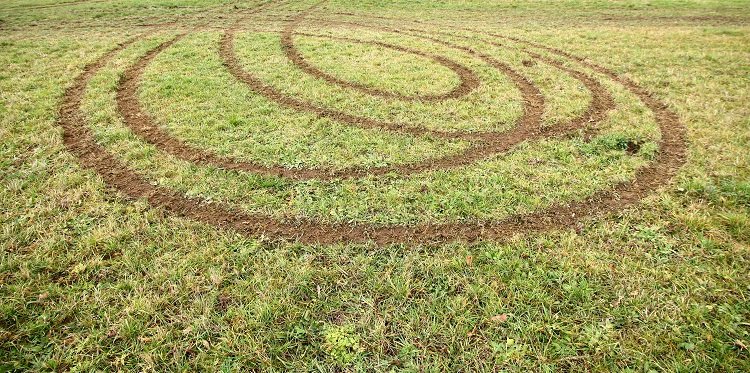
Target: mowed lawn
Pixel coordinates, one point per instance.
(224, 185)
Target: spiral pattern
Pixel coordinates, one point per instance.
(80, 141)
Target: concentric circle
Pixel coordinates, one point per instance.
(80, 141)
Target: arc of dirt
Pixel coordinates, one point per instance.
(673, 142)
(601, 101)
(490, 143)
(468, 79)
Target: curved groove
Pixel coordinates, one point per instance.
(468, 79)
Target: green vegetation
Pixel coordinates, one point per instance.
(341, 345)
(92, 280)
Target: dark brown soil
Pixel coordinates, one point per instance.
(632, 147)
(80, 141)
(468, 79)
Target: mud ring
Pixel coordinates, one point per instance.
(80, 141)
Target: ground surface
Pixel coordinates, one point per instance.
(374, 185)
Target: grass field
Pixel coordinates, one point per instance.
(222, 185)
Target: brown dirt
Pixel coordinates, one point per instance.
(632, 147)
(468, 79)
(80, 141)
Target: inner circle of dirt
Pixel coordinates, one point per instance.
(467, 78)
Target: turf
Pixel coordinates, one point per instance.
(117, 251)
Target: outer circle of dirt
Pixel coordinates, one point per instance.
(80, 141)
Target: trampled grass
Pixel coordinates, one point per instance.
(99, 271)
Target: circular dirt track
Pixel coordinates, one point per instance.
(79, 139)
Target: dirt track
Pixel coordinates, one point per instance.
(80, 141)
(469, 80)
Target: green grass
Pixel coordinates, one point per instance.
(92, 281)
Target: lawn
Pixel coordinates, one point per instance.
(224, 185)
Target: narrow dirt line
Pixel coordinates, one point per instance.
(468, 79)
(601, 100)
